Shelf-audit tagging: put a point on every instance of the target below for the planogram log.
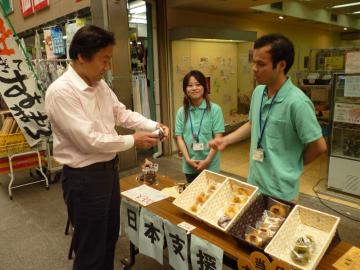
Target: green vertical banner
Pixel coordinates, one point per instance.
(8, 6)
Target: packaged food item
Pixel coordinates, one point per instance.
(253, 237)
(272, 219)
(278, 208)
(303, 249)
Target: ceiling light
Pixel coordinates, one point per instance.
(346, 5)
(136, 20)
(138, 10)
(281, 17)
(345, 28)
(356, 12)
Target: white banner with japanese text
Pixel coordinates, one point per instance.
(177, 243)
(130, 216)
(205, 255)
(19, 89)
(151, 235)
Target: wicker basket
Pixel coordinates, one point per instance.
(209, 211)
(188, 197)
(303, 221)
(250, 216)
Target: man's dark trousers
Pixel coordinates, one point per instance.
(92, 196)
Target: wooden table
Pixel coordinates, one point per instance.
(232, 250)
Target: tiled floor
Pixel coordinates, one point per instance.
(235, 160)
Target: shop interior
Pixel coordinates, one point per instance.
(227, 64)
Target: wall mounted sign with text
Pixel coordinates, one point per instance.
(40, 4)
(26, 7)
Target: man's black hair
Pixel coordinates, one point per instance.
(281, 49)
(88, 40)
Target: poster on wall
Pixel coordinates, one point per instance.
(352, 62)
(347, 113)
(40, 4)
(334, 62)
(352, 86)
(19, 89)
(26, 7)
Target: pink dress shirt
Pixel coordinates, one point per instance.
(83, 120)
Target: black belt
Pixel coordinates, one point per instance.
(111, 164)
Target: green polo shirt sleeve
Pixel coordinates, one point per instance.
(306, 124)
(179, 124)
(217, 119)
(254, 108)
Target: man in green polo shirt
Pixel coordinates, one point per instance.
(282, 124)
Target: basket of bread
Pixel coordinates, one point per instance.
(227, 204)
(194, 197)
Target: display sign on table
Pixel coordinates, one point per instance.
(347, 113)
(205, 255)
(177, 242)
(131, 217)
(144, 195)
(151, 235)
(352, 86)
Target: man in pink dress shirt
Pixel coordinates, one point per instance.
(83, 113)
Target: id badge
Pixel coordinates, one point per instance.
(258, 155)
(198, 146)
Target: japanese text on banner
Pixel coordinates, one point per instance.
(19, 89)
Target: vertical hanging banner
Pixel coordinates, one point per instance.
(48, 45)
(8, 6)
(19, 88)
(40, 4)
(58, 43)
(26, 7)
(71, 29)
(177, 242)
(151, 235)
(131, 217)
(205, 255)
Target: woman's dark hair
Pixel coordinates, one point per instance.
(281, 49)
(88, 40)
(202, 80)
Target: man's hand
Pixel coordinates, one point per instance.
(165, 130)
(218, 143)
(145, 140)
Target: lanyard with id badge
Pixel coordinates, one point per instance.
(196, 144)
(259, 154)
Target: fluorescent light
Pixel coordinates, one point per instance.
(281, 17)
(356, 12)
(135, 20)
(346, 5)
(138, 10)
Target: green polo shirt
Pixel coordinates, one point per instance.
(213, 123)
(292, 124)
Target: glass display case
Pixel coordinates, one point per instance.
(344, 152)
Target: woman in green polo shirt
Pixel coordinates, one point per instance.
(197, 122)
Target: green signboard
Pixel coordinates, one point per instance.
(7, 5)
